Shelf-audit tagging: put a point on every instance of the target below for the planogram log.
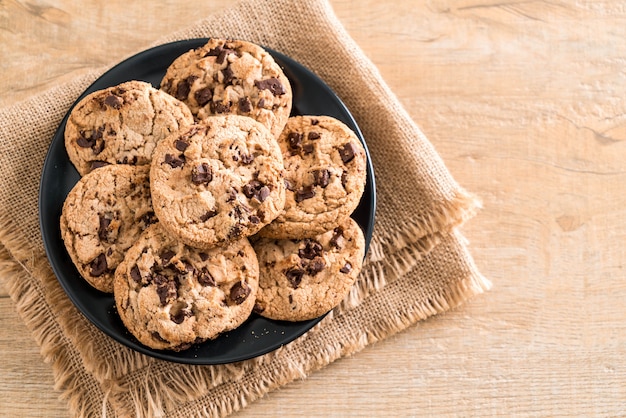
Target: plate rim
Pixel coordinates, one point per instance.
(48, 240)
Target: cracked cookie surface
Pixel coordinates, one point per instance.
(218, 180)
(121, 125)
(325, 174)
(102, 216)
(303, 279)
(231, 77)
(171, 296)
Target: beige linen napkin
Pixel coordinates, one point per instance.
(418, 264)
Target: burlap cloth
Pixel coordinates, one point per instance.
(418, 264)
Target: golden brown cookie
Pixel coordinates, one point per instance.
(171, 296)
(303, 279)
(325, 174)
(231, 77)
(218, 180)
(121, 125)
(103, 215)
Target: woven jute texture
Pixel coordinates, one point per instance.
(418, 264)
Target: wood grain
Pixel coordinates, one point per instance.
(524, 102)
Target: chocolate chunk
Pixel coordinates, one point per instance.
(175, 162)
(239, 292)
(205, 278)
(148, 218)
(135, 274)
(347, 268)
(294, 140)
(179, 312)
(250, 188)
(258, 307)
(159, 279)
(113, 101)
(256, 190)
(228, 76)
(99, 146)
(214, 52)
(181, 145)
(85, 142)
(208, 215)
(98, 265)
(166, 256)
(294, 276)
(311, 249)
(203, 256)
(308, 148)
(103, 228)
(184, 87)
(201, 174)
(314, 121)
(347, 152)
(166, 289)
(220, 52)
(219, 107)
(203, 96)
(245, 105)
(98, 164)
(126, 160)
(182, 90)
(235, 231)
(261, 103)
(313, 136)
(222, 56)
(304, 193)
(263, 194)
(272, 84)
(247, 159)
(93, 140)
(321, 178)
(254, 219)
(337, 239)
(288, 185)
(315, 266)
(344, 179)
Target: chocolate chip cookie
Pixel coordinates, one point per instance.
(121, 125)
(303, 279)
(231, 76)
(171, 296)
(325, 173)
(218, 180)
(103, 215)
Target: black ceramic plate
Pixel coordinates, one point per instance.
(257, 336)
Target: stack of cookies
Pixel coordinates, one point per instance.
(204, 201)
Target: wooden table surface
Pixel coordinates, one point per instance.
(524, 100)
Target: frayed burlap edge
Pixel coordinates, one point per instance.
(296, 360)
(443, 217)
(78, 388)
